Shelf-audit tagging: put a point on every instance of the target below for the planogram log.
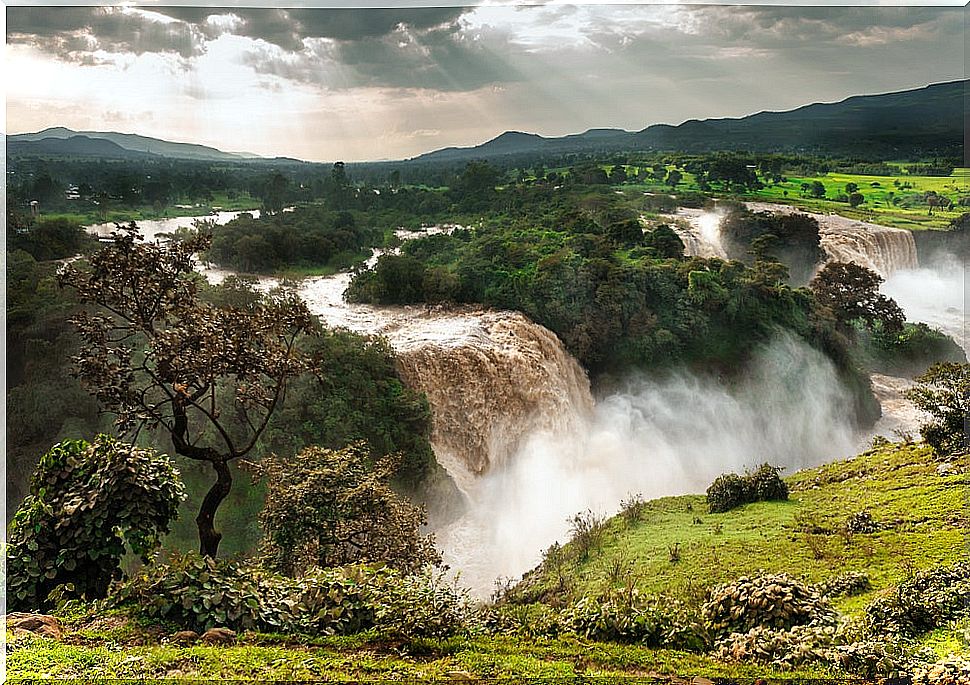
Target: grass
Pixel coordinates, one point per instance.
(911, 213)
(925, 515)
(366, 658)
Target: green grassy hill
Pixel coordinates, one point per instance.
(923, 518)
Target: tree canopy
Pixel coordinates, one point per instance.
(157, 356)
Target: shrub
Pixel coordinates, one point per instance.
(862, 522)
(586, 529)
(767, 485)
(845, 584)
(926, 601)
(875, 660)
(952, 671)
(422, 605)
(727, 492)
(530, 620)
(730, 490)
(791, 648)
(199, 593)
(626, 617)
(88, 504)
(769, 601)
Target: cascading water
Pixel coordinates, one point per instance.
(515, 425)
(879, 248)
(700, 231)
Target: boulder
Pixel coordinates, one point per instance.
(39, 624)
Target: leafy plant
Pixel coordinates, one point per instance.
(729, 490)
(767, 601)
(88, 504)
(328, 508)
(923, 602)
(944, 393)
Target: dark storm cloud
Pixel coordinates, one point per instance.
(76, 32)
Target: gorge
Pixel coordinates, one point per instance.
(516, 426)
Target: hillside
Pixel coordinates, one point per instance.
(19, 144)
(921, 514)
(918, 504)
(923, 121)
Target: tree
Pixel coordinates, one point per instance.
(944, 393)
(88, 502)
(328, 508)
(275, 195)
(665, 242)
(674, 177)
(856, 199)
(817, 189)
(157, 356)
(851, 293)
(851, 188)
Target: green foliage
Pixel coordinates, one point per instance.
(731, 490)
(784, 648)
(47, 239)
(764, 601)
(911, 351)
(926, 601)
(528, 620)
(944, 393)
(875, 660)
(89, 503)
(626, 617)
(851, 293)
(306, 237)
(845, 585)
(329, 508)
(197, 593)
(422, 605)
(355, 395)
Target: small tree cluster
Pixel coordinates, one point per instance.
(851, 293)
(328, 508)
(944, 393)
(730, 490)
(88, 504)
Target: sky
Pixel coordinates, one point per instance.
(328, 84)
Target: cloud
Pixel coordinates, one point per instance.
(76, 33)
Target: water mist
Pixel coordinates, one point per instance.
(654, 437)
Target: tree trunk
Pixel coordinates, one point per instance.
(208, 536)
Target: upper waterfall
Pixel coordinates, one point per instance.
(882, 249)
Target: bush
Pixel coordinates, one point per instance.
(926, 601)
(529, 620)
(845, 584)
(422, 605)
(767, 601)
(198, 593)
(862, 522)
(626, 617)
(874, 660)
(730, 490)
(89, 503)
(791, 648)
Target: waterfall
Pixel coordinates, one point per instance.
(882, 249)
(700, 231)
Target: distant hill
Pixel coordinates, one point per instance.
(923, 121)
(126, 141)
(75, 146)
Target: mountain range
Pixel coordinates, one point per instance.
(922, 121)
(928, 121)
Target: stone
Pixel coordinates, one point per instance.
(39, 624)
(219, 636)
(185, 637)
